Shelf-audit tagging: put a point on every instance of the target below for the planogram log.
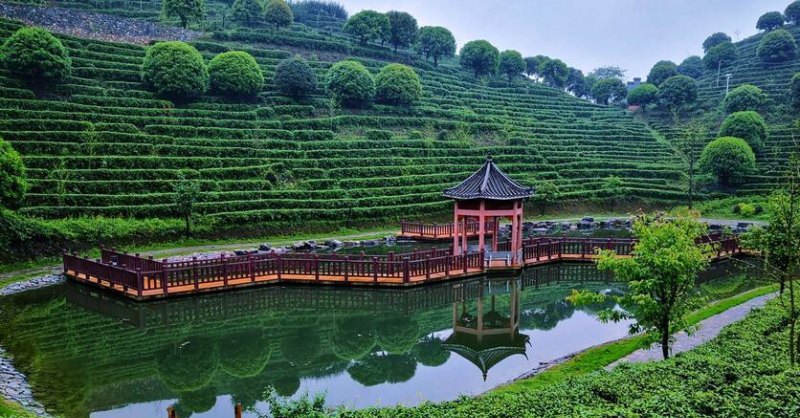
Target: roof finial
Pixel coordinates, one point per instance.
(489, 157)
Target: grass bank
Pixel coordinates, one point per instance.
(10, 409)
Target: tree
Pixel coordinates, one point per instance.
(688, 145)
(235, 74)
(714, 40)
(792, 12)
(661, 71)
(794, 89)
(747, 125)
(554, 72)
(533, 66)
(175, 70)
(436, 42)
(576, 83)
(511, 64)
(294, 78)
(720, 56)
(480, 56)
(350, 84)
(769, 21)
(744, 97)
(278, 14)
(643, 95)
(608, 71)
(185, 10)
(187, 194)
(247, 11)
(691, 67)
(36, 57)
(397, 84)
(609, 89)
(546, 194)
(612, 188)
(728, 158)
(402, 29)
(661, 279)
(678, 91)
(13, 177)
(367, 26)
(777, 46)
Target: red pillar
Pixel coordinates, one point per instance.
(495, 232)
(455, 228)
(464, 235)
(482, 226)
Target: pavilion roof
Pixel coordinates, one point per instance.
(489, 182)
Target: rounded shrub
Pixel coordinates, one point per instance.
(792, 12)
(777, 46)
(691, 67)
(397, 84)
(247, 11)
(13, 179)
(643, 95)
(480, 56)
(747, 125)
(175, 70)
(661, 71)
(294, 78)
(770, 20)
(235, 74)
(720, 55)
(350, 83)
(744, 97)
(728, 158)
(36, 56)
(278, 14)
(678, 91)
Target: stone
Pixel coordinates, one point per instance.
(265, 247)
(333, 243)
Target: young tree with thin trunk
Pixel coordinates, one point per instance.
(185, 10)
(689, 145)
(187, 194)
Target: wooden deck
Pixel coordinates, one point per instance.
(143, 278)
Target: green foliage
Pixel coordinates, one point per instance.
(692, 67)
(235, 74)
(609, 89)
(792, 12)
(794, 90)
(480, 56)
(534, 64)
(608, 71)
(278, 14)
(554, 72)
(678, 91)
(294, 78)
(661, 71)
(189, 366)
(728, 158)
(175, 70)
(304, 407)
(547, 193)
(744, 97)
(397, 84)
(402, 29)
(350, 84)
(247, 12)
(13, 177)
(436, 42)
(576, 83)
(769, 21)
(511, 64)
(367, 26)
(185, 10)
(777, 46)
(747, 125)
(643, 95)
(720, 55)
(714, 40)
(187, 194)
(36, 56)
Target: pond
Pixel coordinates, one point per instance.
(87, 353)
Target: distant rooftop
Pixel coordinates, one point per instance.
(489, 182)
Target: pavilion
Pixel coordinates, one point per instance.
(488, 195)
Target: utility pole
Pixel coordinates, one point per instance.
(727, 83)
(719, 70)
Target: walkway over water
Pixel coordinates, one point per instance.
(145, 278)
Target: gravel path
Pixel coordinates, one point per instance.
(709, 328)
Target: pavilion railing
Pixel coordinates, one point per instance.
(420, 229)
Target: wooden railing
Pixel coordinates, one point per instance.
(418, 229)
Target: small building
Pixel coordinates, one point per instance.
(635, 83)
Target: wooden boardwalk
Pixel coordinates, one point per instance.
(145, 278)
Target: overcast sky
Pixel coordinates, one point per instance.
(632, 34)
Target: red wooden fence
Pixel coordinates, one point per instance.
(418, 229)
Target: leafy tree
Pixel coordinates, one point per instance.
(692, 67)
(546, 194)
(367, 26)
(185, 10)
(175, 70)
(714, 40)
(769, 21)
(609, 89)
(294, 78)
(533, 66)
(436, 42)
(480, 56)
(612, 187)
(661, 278)
(661, 71)
(554, 72)
(235, 74)
(13, 177)
(576, 83)
(792, 12)
(688, 145)
(397, 84)
(643, 95)
(511, 64)
(747, 125)
(794, 89)
(402, 29)
(728, 158)
(678, 91)
(720, 56)
(187, 194)
(278, 14)
(35, 56)
(247, 11)
(744, 97)
(350, 84)
(608, 71)
(777, 46)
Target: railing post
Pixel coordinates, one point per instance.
(252, 266)
(406, 273)
(427, 268)
(164, 276)
(237, 411)
(316, 267)
(224, 270)
(139, 282)
(195, 277)
(483, 257)
(464, 262)
(280, 266)
(346, 268)
(375, 269)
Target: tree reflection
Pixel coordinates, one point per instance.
(189, 365)
(397, 334)
(429, 352)
(380, 368)
(245, 354)
(353, 337)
